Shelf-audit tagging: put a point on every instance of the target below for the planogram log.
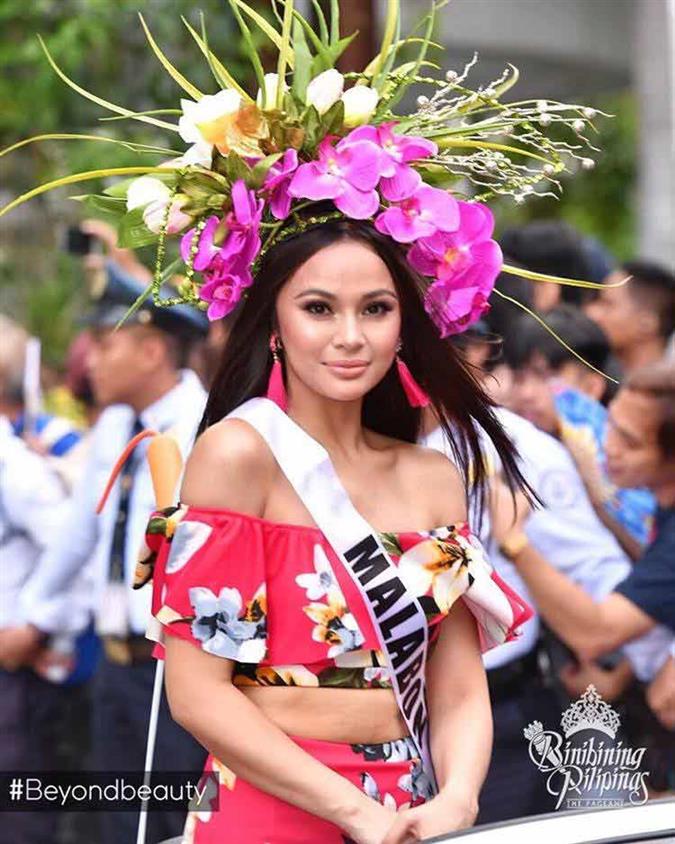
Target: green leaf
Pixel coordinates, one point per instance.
(334, 21)
(74, 178)
(390, 28)
(105, 204)
(175, 74)
(321, 18)
(312, 125)
(248, 40)
(98, 100)
(391, 544)
(301, 74)
(262, 24)
(119, 189)
(327, 58)
(285, 50)
(258, 174)
(333, 119)
(133, 232)
(222, 76)
(236, 167)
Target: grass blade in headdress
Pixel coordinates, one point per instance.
(265, 27)
(66, 136)
(548, 328)
(321, 18)
(388, 103)
(568, 282)
(74, 178)
(175, 74)
(98, 100)
(392, 29)
(285, 51)
(221, 74)
(248, 41)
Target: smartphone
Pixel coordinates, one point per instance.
(78, 242)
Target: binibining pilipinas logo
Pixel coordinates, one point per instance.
(588, 767)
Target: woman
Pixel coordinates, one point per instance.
(273, 661)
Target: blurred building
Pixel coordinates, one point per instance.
(570, 49)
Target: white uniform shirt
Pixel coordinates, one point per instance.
(33, 506)
(566, 532)
(81, 551)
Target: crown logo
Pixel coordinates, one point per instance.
(590, 712)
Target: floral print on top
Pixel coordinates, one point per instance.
(276, 600)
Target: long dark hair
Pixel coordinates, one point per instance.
(459, 400)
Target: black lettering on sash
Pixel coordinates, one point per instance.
(388, 624)
(411, 697)
(403, 647)
(367, 566)
(385, 596)
(408, 673)
(420, 721)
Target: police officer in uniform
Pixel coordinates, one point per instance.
(136, 371)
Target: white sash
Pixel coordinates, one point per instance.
(397, 617)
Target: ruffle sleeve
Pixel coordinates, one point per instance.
(452, 564)
(209, 582)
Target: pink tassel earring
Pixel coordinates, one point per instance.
(276, 391)
(414, 393)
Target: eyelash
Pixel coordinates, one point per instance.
(384, 307)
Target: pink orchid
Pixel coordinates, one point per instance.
(456, 306)
(223, 291)
(242, 226)
(278, 179)
(465, 263)
(426, 212)
(227, 268)
(399, 181)
(347, 174)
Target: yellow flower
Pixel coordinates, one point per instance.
(222, 121)
(440, 564)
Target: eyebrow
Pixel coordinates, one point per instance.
(632, 438)
(316, 291)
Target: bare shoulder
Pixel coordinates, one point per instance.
(230, 466)
(438, 479)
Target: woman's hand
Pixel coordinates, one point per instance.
(661, 695)
(371, 823)
(445, 813)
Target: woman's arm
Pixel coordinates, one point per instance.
(232, 467)
(459, 710)
(203, 700)
(460, 717)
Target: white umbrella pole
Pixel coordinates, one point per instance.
(150, 746)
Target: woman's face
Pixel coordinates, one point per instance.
(339, 322)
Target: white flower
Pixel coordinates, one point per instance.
(153, 195)
(188, 538)
(199, 153)
(268, 101)
(145, 190)
(202, 121)
(325, 89)
(360, 102)
(317, 585)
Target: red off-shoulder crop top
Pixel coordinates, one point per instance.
(276, 600)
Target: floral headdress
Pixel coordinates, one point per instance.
(312, 134)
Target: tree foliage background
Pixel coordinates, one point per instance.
(101, 45)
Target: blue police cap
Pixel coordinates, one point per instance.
(120, 290)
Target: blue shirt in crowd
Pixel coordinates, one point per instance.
(651, 583)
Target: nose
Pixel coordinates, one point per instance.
(348, 334)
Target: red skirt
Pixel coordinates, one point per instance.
(390, 773)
